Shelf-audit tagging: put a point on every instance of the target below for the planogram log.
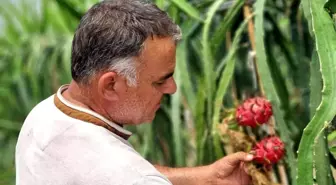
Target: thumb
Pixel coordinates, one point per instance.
(236, 158)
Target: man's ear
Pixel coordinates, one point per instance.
(107, 86)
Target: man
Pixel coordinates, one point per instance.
(122, 63)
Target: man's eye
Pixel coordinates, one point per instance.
(160, 82)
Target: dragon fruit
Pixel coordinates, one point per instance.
(253, 112)
(268, 151)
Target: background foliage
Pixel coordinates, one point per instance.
(231, 50)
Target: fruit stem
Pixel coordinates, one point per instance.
(247, 13)
(282, 174)
(271, 130)
(271, 176)
(271, 125)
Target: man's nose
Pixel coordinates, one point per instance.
(171, 88)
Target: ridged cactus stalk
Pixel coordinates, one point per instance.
(313, 157)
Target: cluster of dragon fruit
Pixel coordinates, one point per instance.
(254, 112)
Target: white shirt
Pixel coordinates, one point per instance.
(56, 149)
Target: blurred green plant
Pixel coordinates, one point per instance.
(231, 50)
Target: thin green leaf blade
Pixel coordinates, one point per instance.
(188, 9)
(224, 81)
(176, 109)
(220, 32)
(160, 4)
(186, 86)
(270, 90)
(208, 60)
(199, 121)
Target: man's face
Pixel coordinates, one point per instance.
(154, 79)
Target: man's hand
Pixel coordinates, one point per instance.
(230, 170)
(226, 171)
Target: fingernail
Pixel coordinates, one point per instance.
(249, 157)
(252, 152)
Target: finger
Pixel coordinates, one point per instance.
(236, 158)
(244, 167)
(244, 174)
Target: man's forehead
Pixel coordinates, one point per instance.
(158, 46)
(158, 53)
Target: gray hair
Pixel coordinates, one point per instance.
(112, 32)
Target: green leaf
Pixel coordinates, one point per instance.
(333, 151)
(224, 83)
(9, 125)
(186, 84)
(208, 60)
(173, 12)
(307, 13)
(10, 25)
(7, 176)
(268, 85)
(330, 6)
(285, 45)
(70, 8)
(201, 128)
(189, 27)
(188, 9)
(278, 78)
(332, 136)
(226, 23)
(176, 108)
(7, 155)
(160, 4)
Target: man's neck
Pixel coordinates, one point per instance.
(81, 97)
(77, 96)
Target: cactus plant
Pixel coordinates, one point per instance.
(308, 158)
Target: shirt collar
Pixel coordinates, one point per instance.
(87, 115)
